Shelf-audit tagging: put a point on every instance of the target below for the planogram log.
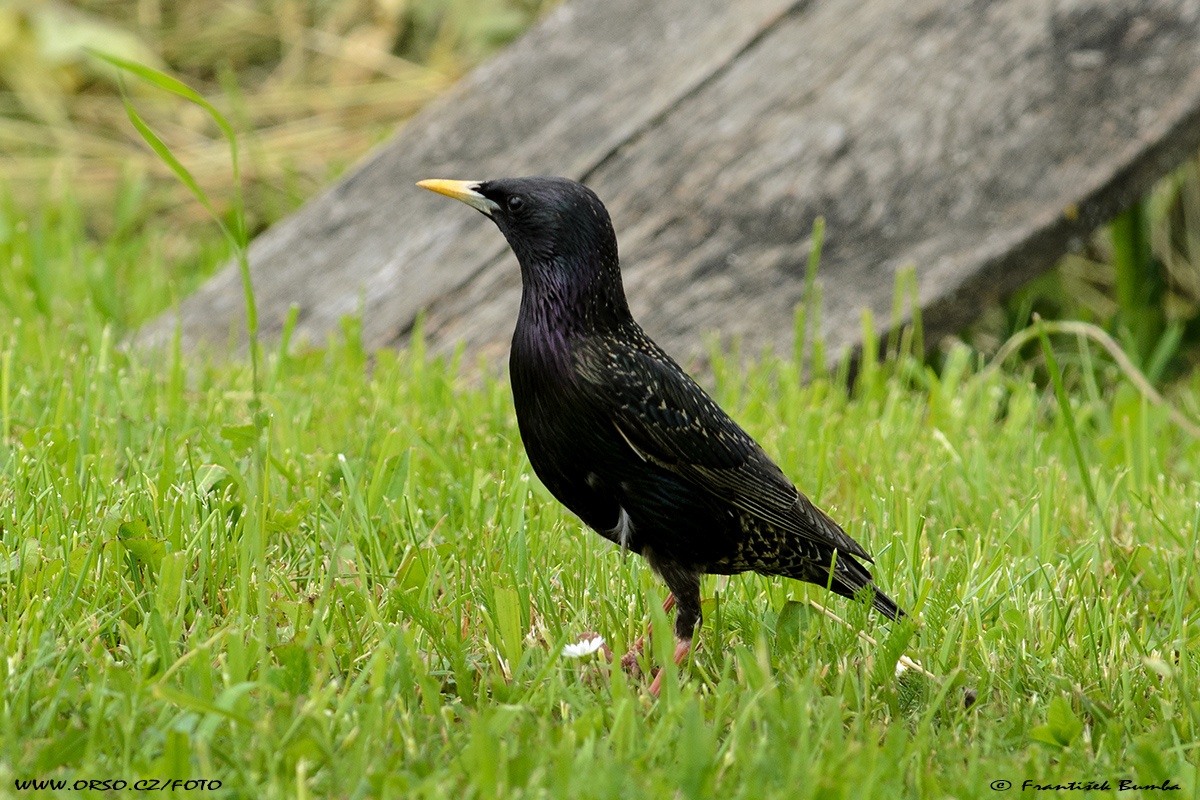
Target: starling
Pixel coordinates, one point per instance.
(623, 437)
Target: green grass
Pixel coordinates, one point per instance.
(365, 594)
(341, 578)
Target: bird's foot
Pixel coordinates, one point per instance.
(682, 648)
(631, 661)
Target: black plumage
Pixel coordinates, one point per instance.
(622, 436)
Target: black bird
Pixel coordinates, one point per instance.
(623, 437)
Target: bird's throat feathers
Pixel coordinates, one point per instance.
(561, 303)
(572, 298)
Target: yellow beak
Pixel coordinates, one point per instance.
(466, 191)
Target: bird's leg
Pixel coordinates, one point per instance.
(629, 661)
(682, 648)
(685, 587)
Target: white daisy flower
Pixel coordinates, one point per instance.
(584, 647)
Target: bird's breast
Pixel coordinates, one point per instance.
(562, 434)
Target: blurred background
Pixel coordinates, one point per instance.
(312, 85)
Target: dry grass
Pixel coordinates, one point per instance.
(312, 86)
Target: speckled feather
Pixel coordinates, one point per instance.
(623, 437)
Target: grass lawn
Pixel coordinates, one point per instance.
(360, 590)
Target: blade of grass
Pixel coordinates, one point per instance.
(1140, 281)
(255, 492)
(1064, 404)
(1096, 334)
(237, 234)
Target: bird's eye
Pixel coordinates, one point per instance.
(516, 203)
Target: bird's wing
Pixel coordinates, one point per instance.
(668, 420)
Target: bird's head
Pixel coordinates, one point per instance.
(561, 234)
